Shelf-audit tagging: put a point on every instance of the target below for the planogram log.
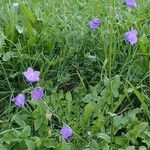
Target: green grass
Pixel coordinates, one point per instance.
(105, 98)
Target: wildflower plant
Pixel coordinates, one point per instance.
(131, 36)
(66, 132)
(94, 23)
(82, 89)
(37, 93)
(31, 75)
(19, 100)
(130, 3)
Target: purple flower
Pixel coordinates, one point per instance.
(31, 75)
(19, 100)
(131, 36)
(94, 23)
(66, 132)
(130, 3)
(37, 93)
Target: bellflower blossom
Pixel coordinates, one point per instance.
(131, 36)
(31, 75)
(37, 93)
(19, 100)
(130, 3)
(94, 23)
(66, 132)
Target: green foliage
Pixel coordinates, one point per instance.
(93, 81)
(2, 38)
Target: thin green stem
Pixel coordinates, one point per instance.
(110, 55)
(6, 77)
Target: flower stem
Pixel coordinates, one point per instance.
(110, 55)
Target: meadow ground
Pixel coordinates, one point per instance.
(89, 87)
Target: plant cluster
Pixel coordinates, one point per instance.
(92, 88)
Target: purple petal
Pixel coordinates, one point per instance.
(94, 23)
(30, 70)
(133, 31)
(31, 75)
(130, 3)
(37, 93)
(131, 36)
(66, 132)
(19, 100)
(36, 75)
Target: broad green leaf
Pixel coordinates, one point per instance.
(7, 56)
(99, 123)
(147, 133)
(105, 94)
(25, 132)
(140, 128)
(115, 86)
(37, 124)
(2, 147)
(87, 98)
(30, 144)
(106, 147)
(38, 142)
(10, 29)
(120, 140)
(2, 38)
(94, 90)
(94, 145)
(106, 81)
(137, 131)
(87, 111)
(29, 28)
(49, 143)
(11, 136)
(143, 42)
(130, 148)
(68, 96)
(141, 98)
(20, 145)
(18, 120)
(132, 115)
(65, 145)
(142, 148)
(27, 13)
(146, 141)
(104, 136)
(61, 95)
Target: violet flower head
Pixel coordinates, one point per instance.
(37, 93)
(94, 23)
(131, 36)
(130, 3)
(66, 132)
(19, 100)
(31, 75)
